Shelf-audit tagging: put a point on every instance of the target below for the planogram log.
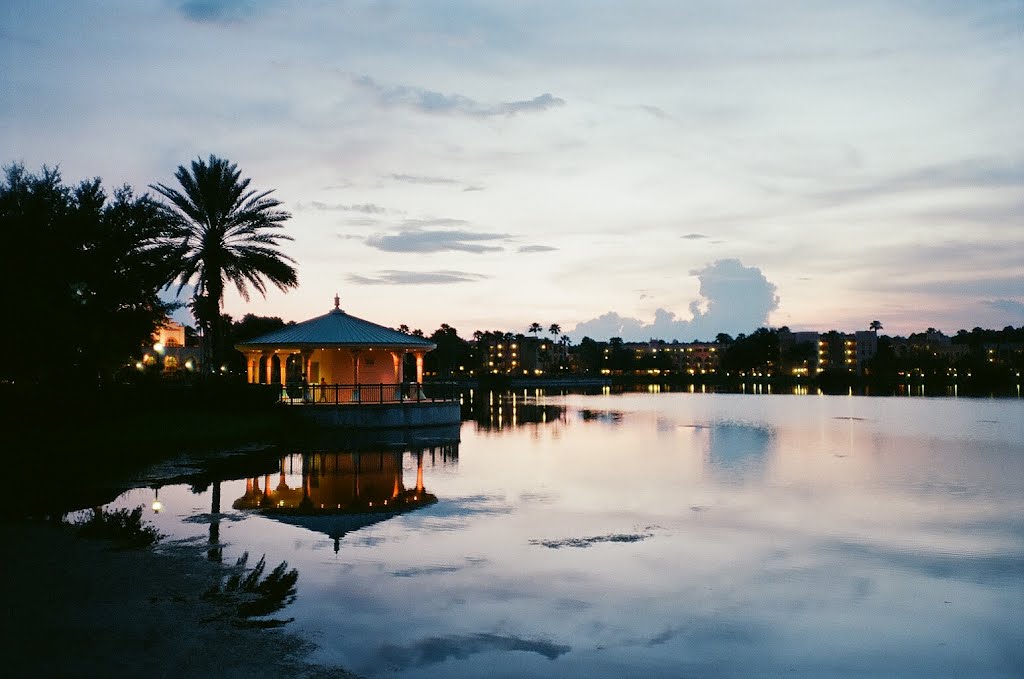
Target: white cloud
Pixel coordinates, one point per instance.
(733, 299)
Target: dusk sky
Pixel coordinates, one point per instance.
(645, 169)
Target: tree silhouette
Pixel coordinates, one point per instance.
(534, 328)
(224, 232)
(875, 326)
(555, 329)
(80, 277)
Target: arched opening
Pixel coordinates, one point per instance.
(295, 375)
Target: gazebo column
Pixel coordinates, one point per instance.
(252, 366)
(396, 357)
(355, 375)
(419, 471)
(282, 366)
(419, 374)
(307, 366)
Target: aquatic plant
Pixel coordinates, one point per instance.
(122, 526)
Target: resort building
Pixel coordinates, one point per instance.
(657, 357)
(169, 352)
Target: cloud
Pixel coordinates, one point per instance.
(733, 299)
(365, 208)
(535, 248)
(693, 236)
(216, 11)
(416, 238)
(987, 286)
(657, 112)
(420, 179)
(394, 277)
(1008, 306)
(429, 101)
(437, 221)
(539, 103)
(982, 173)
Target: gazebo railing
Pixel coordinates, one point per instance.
(335, 394)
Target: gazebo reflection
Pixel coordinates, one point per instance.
(340, 492)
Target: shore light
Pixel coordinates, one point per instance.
(157, 505)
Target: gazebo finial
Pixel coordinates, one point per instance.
(337, 302)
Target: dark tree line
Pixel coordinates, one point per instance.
(80, 277)
(83, 269)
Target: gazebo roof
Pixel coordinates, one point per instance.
(336, 329)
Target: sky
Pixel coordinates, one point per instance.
(667, 169)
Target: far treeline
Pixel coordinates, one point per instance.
(84, 269)
(979, 357)
(985, 358)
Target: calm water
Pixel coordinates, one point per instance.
(655, 535)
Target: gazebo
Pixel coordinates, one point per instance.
(336, 358)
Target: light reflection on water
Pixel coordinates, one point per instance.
(664, 535)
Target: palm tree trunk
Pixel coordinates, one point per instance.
(215, 293)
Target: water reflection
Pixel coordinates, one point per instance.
(666, 535)
(737, 451)
(339, 492)
(492, 410)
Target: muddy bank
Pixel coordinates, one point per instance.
(84, 608)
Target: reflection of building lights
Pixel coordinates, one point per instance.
(157, 505)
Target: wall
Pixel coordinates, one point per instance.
(387, 415)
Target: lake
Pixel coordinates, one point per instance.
(649, 535)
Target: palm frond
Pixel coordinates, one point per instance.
(221, 232)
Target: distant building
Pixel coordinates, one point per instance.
(657, 357)
(840, 352)
(798, 352)
(865, 346)
(170, 351)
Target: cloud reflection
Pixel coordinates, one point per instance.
(433, 650)
(992, 569)
(737, 451)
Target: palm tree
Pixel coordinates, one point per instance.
(535, 328)
(875, 326)
(555, 329)
(224, 232)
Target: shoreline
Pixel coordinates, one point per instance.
(81, 607)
